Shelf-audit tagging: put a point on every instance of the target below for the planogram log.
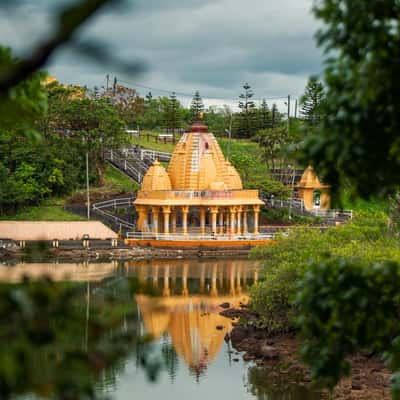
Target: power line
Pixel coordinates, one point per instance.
(190, 95)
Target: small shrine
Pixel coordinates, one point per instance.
(200, 193)
(314, 194)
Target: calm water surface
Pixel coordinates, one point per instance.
(195, 362)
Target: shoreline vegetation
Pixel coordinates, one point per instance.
(272, 331)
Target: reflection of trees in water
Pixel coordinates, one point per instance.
(170, 357)
(266, 384)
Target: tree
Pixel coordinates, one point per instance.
(274, 142)
(127, 102)
(310, 102)
(172, 118)
(275, 116)
(265, 115)
(345, 304)
(358, 142)
(246, 123)
(196, 107)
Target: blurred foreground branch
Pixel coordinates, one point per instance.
(68, 23)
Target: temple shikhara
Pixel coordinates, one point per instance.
(200, 193)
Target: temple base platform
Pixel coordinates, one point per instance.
(198, 241)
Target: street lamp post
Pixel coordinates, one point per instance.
(292, 198)
(87, 185)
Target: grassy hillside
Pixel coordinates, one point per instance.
(53, 209)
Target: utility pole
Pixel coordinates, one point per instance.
(115, 86)
(295, 109)
(273, 115)
(108, 81)
(288, 113)
(87, 185)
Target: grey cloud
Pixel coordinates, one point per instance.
(210, 45)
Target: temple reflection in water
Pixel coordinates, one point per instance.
(184, 303)
(189, 304)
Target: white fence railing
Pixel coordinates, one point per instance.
(334, 214)
(197, 237)
(103, 207)
(298, 204)
(154, 155)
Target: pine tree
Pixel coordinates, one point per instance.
(196, 107)
(275, 116)
(311, 100)
(265, 115)
(172, 116)
(247, 119)
(149, 97)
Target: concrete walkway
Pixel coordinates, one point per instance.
(45, 230)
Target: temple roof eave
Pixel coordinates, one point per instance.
(198, 202)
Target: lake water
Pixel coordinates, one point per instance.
(182, 313)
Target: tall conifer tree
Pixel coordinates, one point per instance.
(311, 100)
(197, 106)
(247, 124)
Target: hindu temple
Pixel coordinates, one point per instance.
(200, 193)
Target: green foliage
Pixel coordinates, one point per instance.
(282, 215)
(358, 141)
(58, 341)
(196, 106)
(311, 101)
(42, 213)
(246, 121)
(172, 113)
(265, 115)
(366, 238)
(33, 170)
(119, 181)
(346, 305)
(23, 103)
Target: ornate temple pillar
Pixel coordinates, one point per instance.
(185, 212)
(202, 220)
(214, 211)
(256, 210)
(221, 221)
(239, 218)
(245, 228)
(155, 211)
(142, 217)
(167, 212)
(227, 221)
(173, 219)
(232, 220)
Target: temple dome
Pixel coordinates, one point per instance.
(156, 178)
(310, 179)
(234, 180)
(199, 164)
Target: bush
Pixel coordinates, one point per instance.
(345, 305)
(366, 239)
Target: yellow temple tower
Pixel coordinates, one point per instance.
(201, 190)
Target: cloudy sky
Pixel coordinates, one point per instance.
(213, 46)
